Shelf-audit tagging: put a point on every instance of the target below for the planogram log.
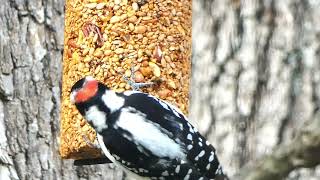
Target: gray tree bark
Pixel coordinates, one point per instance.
(255, 77)
(256, 80)
(31, 44)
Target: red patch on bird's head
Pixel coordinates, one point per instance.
(89, 89)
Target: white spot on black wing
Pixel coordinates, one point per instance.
(219, 170)
(186, 177)
(190, 128)
(177, 170)
(207, 143)
(181, 127)
(189, 147)
(211, 158)
(165, 173)
(196, 158)
(208, 166)
(201, 153)
(195, 129)
(189, 136)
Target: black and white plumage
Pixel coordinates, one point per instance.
(144, 134)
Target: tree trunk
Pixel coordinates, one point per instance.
(31, 43)
(256, 75)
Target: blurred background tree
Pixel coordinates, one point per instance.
(255, 86)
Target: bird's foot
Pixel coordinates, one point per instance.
(92, 145)
(87, 140)
(136, 86)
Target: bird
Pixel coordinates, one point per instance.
(147, 137)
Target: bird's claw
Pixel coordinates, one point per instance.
(86, 139)
(135, 86)
(93, 145)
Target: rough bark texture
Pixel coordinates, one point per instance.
(255, 76)
(302, 151)
(256, 81)
(31, 43)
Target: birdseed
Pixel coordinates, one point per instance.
(105, 38)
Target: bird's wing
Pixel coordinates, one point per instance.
(138, 159)
(197, 150)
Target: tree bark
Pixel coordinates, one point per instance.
(255, 76)
(31, 44)
(255, 83)
(302, 151)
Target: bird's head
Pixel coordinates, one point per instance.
(84, 90)
(89, 96)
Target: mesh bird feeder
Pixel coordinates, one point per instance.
(105, 39)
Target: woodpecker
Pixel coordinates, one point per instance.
(144, 135)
